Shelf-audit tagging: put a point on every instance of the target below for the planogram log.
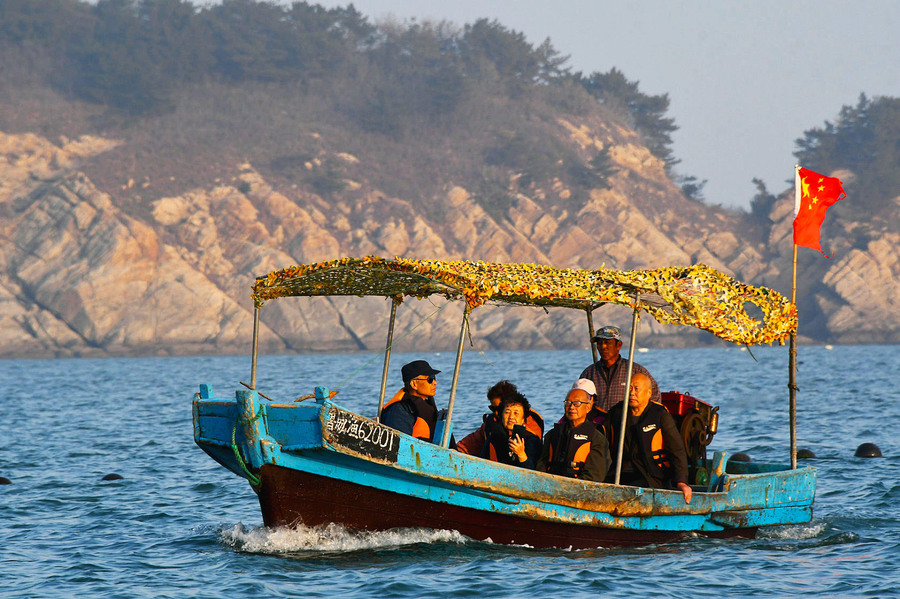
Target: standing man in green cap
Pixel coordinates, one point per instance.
(610, 372)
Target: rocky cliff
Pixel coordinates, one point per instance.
(85, 273)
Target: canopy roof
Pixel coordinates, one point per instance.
(696, 296)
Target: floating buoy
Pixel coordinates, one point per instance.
(740, 457)
(805, 454)
(868, 450)
(5, 481)
(113, 476)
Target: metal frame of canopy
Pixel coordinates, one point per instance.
(696, 296)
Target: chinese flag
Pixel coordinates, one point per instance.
(814, 195)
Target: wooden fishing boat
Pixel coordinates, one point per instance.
(316, 463)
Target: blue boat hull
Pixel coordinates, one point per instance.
(318, 463)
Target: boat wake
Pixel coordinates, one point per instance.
(330, 538)
(796, 532)
(814, 534)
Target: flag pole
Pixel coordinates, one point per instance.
(813, 195)
(792, 369)
(792, 353)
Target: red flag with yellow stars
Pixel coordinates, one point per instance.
(814, 194)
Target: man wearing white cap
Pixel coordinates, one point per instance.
(575, 448)
(609, 374)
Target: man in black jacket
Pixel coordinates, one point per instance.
(412, 409)
(575, 448)
(654, 454)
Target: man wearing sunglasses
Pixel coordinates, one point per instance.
(575, 448)
(412, 409)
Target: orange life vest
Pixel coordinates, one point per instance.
(653, 454)
(534, 422)
(577, 446)
(423, 428)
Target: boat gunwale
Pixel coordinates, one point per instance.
(644, 501)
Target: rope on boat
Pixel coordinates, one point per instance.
(237, 454)
(254, 480)
(380, 354)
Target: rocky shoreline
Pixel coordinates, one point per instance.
(82, 276)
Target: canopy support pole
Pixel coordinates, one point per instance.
(387, 356)
(626, 406)
(792, 369)
(590, 319)
(255, 351)
(445, 441)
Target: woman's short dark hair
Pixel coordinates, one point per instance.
(501, 390)
(513, 399)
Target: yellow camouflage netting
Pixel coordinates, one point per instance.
(696, 296)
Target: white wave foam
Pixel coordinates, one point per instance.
(800, 531)
(333, 537)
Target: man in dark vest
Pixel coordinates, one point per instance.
(654, 454)
(610, 372)
(575, 448)
(412, 409)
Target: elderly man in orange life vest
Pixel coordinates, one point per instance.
(412, 409)
(654, 454)
(610, 372)
(575, 447)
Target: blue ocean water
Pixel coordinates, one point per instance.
(178, 525)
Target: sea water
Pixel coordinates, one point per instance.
(179, 525)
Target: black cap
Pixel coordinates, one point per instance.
(416, 368)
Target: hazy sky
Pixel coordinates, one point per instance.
(745, 79)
